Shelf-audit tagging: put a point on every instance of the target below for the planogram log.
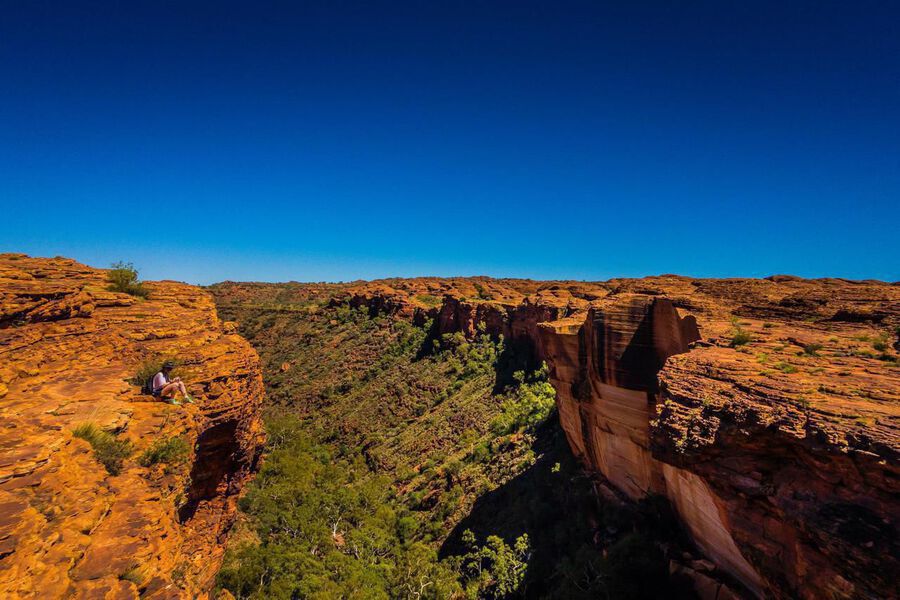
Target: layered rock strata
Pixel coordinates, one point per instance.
(766, 411)
(68, 349)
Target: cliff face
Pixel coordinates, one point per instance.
(67, 350)
(766, 411)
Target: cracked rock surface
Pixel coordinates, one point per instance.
(68, 348)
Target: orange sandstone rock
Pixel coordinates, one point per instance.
(68, 347)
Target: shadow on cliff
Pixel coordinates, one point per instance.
(632, 357)
(432, 338)
(519, 354)
(581, 547)
(213, 467)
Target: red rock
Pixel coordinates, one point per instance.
(67, 347)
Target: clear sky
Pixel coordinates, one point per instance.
(339, 140)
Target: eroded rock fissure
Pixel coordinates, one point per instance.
(216, 464)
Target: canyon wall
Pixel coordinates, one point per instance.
(766, 411)
(604, 372)
(68, 348)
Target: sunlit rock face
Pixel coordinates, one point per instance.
(68, 346)
(765, 410)
(604, 372)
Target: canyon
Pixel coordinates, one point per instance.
(764, 412)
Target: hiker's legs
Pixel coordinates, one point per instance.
(169, 390)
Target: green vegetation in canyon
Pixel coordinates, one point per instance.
(402, 464)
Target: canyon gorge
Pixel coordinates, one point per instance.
(763, 413)
(759, 408)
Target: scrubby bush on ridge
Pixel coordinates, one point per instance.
(740, 337)
(123, 277)
(108, 448)
(171, 451)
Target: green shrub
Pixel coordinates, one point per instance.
(133, 575)
(812, 349)
(407, 528)
(108, 449)
(888, 357)
(529, 406)
(405, 475)
(480, 453)
(123, 277)
(429, 299)
(170, 451)
(179, 573)
(452, 469)
(148, 368)
(496, 569)
(786, 367)
(740, 337)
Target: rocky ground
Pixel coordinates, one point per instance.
(68, 348)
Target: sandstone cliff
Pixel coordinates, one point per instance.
(766, 411)
(68, 347)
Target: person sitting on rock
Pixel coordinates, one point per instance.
(166, 388)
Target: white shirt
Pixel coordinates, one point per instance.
(159, 381)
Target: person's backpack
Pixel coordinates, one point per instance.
(147, 387)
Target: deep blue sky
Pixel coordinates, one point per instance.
(341, 140)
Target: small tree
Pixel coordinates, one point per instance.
(494, 570)
(528, 406)
(123, 277)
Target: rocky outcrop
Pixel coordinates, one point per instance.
(766, 411)
(68, 348)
